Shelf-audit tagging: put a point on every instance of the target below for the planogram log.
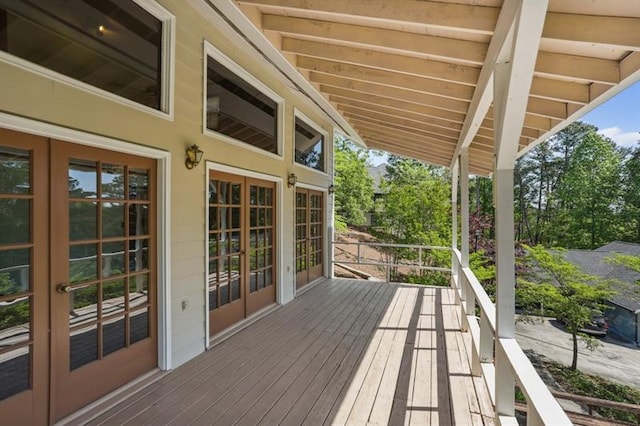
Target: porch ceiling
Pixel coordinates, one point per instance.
(414, 77)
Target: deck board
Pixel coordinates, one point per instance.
(345, 352)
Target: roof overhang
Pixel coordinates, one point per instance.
(416, 78)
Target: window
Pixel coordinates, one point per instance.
(240, 107)
(309, 143)
(114, 45)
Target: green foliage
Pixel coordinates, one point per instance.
(433, 278)
(353, 185)
(574, 381)
(417, 206)
(571, 295)
(631, 262)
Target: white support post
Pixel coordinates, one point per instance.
(467, 307)
(455, 270)
(512, 81)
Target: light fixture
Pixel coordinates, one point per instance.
(331, 189)
(194, 156)
(292, 179)
(101, 30)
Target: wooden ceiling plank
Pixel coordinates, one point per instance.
(578, 67)
(399, 112)
(465, 17)
(397, 123)
(560, 90)
(433, 46)
(396, 93)
(439, 70)
(618, 32)
(417, 134)
(382, 112)
(547, 108)
(389, 78)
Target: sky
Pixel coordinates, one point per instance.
(617, 119)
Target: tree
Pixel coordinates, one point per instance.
(630, 261)
(571, 295)
(631, 197)
(353, 185)
(591, 192)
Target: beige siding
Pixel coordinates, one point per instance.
(31, 95)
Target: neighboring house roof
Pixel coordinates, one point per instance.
(378, 173)
(593, 262)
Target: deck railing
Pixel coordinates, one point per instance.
(478, 314)
(542, 407)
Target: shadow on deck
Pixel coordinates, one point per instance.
(344, 352)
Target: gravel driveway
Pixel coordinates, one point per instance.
(613, 360)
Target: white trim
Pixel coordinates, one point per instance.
(218, 167)
(167, 67)
(34, 127)
(224, 60)
(302, 116)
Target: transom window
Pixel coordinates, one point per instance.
(114, 45)
(239, 106)
(309, 143)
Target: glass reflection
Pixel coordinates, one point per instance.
(83, 178)
(14, 171)
(235, 290)
(15, 319)
(138, 219)
(15, 372)
(83, 305)
(14, 221)
(112, 259)
(138, 290)
(213, 191)
(138, 184)
(83, 347)
(112, 220)
(138, 326)
(138, 255)
(113, 335)
(112, 181)
(213, 298)
(113, 297)
(83, 263)
(82, 220)
(14, 271)
(213, 218)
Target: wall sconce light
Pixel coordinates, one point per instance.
(292, 179)
(194, 156)
(331, 189)
(101, 30)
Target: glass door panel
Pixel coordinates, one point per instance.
(309, 248)
(23, 286)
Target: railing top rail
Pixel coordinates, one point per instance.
(536, 392)
(415, 246)
(482, 298)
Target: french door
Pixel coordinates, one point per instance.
(77, 257)
(309, 236)
(242, 273)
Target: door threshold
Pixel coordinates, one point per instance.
(241, 325)
(110, 400)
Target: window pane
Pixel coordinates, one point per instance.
(15, 319)
(82, 220)
(15, 372)
(237, 109)
(139, 326)
(112, 181)
(14, 271)
(138, 184)
(14, 171)
(113, 297)
(113, 219)
(138, 290)
(115, 46)
(83, 264)
(83, 347)
(138, 219)
(309, 146)
(14, 221)
(113, 336)
(113, 259)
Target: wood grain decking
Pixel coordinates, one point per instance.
(345, 352)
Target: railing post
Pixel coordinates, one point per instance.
(358, 251)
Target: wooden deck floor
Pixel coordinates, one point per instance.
(345, 352)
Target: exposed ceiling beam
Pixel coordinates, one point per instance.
(457, 73)
(398, 123)
(389, 78)
(425, 111)
(404, 95)
(578, 67)
(613, 31)
(399, 41)
(464, 17)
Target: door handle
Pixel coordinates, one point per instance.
(63, 288)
